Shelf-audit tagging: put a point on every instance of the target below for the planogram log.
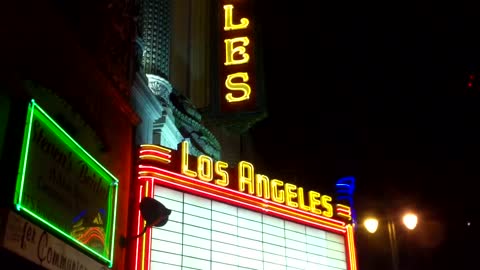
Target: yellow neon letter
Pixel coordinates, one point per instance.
(219, 170)
(314, 201)
(277, 195)
(228, 20)
(205, 168)
(184, 165)
(263, 186)
(327, 205)
(290, 193)
(231, 50)
(246, 176)
(245, 88)
(301, 200)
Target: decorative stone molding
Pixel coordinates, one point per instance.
(159, 86)
(168, 133)
(147, 106)
(179, 119)
(202, 140)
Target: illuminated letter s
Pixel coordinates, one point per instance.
(220, 167)
(327, 205)
(243, 87)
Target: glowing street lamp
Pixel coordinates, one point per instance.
(410, 221)
(371, 224)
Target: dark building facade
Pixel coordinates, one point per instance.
(86, 85)
(110, 75)
(72, 61)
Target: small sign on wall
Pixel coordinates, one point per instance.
(39, 246)
(63, 188)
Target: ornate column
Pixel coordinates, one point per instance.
(155, 29)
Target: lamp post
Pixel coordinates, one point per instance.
(409, 220)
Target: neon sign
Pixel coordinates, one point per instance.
(235, 50)
(237, 58)
(202, 171)
(345, 187)
(239, 186)
(58, 179)
(256, 184)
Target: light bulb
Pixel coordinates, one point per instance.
(371, 224)
(410, 220)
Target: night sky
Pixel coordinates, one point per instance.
(379, 92)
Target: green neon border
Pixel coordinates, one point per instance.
(34, 111)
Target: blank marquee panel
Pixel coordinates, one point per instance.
(209, 235)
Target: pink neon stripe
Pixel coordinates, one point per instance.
(138, 229)
(236, 202)
(265, 202)
(149, 237)
(343, 211)
(156, 153)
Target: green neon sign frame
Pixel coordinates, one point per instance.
(21, 201)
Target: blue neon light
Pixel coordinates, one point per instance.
(345, 188)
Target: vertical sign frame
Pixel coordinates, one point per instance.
(80, 171)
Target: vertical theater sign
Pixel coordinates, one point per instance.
(68, 198)
(237, 57)
(231, 217)
(240, 97)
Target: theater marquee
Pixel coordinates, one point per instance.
(231, 217)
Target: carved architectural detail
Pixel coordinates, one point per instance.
(187, 119)
(179, 119)
(165, 132)
(159, 86)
